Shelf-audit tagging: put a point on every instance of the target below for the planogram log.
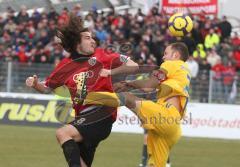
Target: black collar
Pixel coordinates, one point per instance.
(75, 56)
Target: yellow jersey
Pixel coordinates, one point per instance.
(176, 83)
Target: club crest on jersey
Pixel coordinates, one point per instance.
(92, 61)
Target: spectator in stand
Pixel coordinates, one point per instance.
(235, 39)
(190, 42)
(52, 15)
(43, 58)
(37, 53)
(1, 53)
(211, 40)
(143, 53)
(77, 10)
(7, 56)
(147, 37)
(56, 53)
(63, 17)
(89, 22)
(22, 55)
(217, 78)
(196, 33)
(205, 25)
(101, 34)
(22, 15)
(203, 80)
(158, 48)
(44, 37)
(11, 14)
(36, 16)
(10, 26)
(225, 27)
(2, 24)
(224, 49)
(51, 29)
(236, 55)
(30, 28)
(18, 37)
(212, 57)
(136, 32)
(199, 54)
(234, 91)
(194, 68)
(228, 77)
(6, 39)
(230, 57)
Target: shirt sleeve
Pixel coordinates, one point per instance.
(52, 81)
(168, 68)
(56, 78)
(118, 60)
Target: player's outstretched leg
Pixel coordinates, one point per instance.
(112, 99)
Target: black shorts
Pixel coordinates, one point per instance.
(93, 132)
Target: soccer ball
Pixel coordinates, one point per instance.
(180, 24)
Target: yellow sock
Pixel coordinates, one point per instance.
(103, 98)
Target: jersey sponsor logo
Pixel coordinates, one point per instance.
(89, 74)
(83, 75)
(92, 61)
(80, 81)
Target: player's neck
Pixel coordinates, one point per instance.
(79, 56)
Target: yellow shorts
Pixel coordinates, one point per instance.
(163, 124)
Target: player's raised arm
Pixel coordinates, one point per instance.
(128, 67)
(149, 84)
(38, 86)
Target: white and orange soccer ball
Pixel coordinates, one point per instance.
(180, 24)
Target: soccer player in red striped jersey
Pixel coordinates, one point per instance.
(83, 72)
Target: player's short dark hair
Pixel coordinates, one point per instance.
(182, 49)
(70, 33)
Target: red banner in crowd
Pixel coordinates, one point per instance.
(195, 7)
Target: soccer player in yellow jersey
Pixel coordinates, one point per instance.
(161, 119)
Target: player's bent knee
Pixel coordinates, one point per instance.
(66, 133)
(60, 135)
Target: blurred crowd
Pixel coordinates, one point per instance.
(31, 39)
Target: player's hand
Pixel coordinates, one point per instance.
(32, 81)
(121, 86)
(105, 73)
(117, 87)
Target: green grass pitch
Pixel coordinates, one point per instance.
(37, 147)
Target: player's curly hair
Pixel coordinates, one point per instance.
(70, 34)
